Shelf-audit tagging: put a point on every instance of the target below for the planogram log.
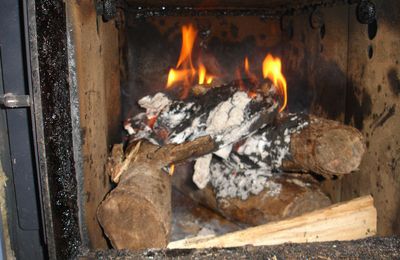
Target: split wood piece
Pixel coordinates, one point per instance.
(350, 220)
(326, 147)
(297, 194)
(137, 213)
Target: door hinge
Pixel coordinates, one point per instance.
(10, 100)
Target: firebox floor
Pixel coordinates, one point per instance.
(189, 219)
(370, 248)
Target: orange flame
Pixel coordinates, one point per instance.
(246, 64)
(203, 77)
(249, 74)
(189, 34)
(152, 121)
(272, 69)
(185, 72)
(171, 169)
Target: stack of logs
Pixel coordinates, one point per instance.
(137, 213)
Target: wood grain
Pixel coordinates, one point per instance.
(350, 220)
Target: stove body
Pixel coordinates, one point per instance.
(86, 63)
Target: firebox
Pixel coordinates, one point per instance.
(141, 124)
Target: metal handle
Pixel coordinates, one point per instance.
(10, 100)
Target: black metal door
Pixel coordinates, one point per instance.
(17, 149)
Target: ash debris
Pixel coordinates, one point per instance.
(227, 114)
(251, 167)
(232, 118)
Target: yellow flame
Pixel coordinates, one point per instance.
(188, 37)
(202, 74)
(176, 76)
(184, 71)
(171, 169)
(272, 69)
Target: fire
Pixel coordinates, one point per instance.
(203, 77)
(272, 69)
(151, 121)
(189, 34)
(171, 169)
(249, 74)
(246, 65)
(184, 72)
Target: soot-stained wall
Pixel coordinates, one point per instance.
(373, 102)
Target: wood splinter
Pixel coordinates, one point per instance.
(355, 219)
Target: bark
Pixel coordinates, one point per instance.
(137, 213)
(326, 147)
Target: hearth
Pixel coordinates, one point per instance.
(205, 124)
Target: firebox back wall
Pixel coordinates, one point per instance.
(327, 67)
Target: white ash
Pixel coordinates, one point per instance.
(226, 123)
(201, 175)
(206, 232)
(154, 104)
(228, 182)
(137, 127)
(299, 183)
(224, 152)
(226, 114)
(236, 133)
(249, 169)
(271, 144)
(175, 115)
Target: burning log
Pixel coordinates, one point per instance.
(226, 114)
(283, 196)
(350, 220)
(137, 213)
(293, 143)
(297, 142)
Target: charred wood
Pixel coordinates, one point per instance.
(285, 196)
(298, 142)
(226, 114)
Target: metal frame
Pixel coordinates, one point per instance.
(51, 94)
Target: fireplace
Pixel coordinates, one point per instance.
(90, 62)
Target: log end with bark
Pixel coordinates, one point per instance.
(137, 214)
(326, 147)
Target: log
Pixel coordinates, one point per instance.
(137, 213)
(326, 147)
(296, 194)
(298, 142)
(350, 220)
(225, 113)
